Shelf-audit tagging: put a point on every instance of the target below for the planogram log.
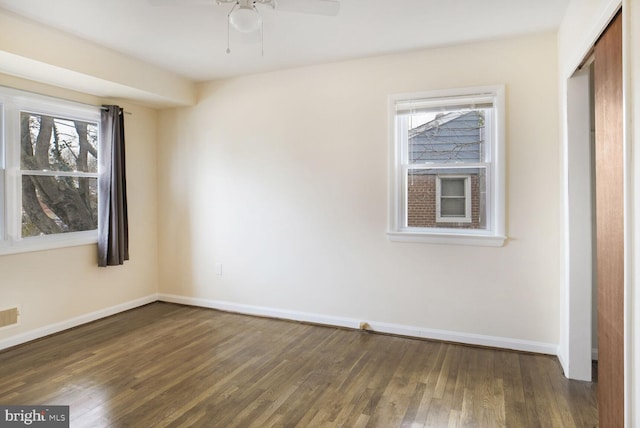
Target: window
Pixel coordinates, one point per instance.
(447, 176)
(453, 199)
(49, 196)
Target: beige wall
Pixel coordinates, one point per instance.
(56, 286)
(282, 178)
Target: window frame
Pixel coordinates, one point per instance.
(12, 103)
(494, 234)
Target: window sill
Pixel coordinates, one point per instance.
(42, 243)
(481, 240)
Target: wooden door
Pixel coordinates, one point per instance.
(610, 224)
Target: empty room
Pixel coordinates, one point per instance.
(319, 213)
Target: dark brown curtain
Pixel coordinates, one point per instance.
(113, 225)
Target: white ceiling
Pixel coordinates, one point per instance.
(192, 40)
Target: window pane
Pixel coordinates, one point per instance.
(55, 144)
(452, 207)
(450, 137)
(452, 186)
(58, 204)
(421, 197)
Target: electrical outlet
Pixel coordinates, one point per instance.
(218, 268)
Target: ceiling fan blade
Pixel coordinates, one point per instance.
(182, 2)
(314, 7)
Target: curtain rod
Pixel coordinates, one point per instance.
(107, 108)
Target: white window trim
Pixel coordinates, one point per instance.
(467, 200)
(494, 235)
(13, 101)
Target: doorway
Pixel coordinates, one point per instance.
(595, 195)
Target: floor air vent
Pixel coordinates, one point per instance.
(8, 317)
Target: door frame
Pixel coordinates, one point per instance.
(574, 336)
(578, 230)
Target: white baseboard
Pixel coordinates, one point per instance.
(402, 330)
(562, 362)
(397, 329)
(74, 322)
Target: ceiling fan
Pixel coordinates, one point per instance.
(244, 15)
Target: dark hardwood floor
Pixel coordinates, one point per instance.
(170, 365)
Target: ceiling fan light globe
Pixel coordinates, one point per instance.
(245, 20)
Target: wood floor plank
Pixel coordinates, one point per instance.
(166, 365)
